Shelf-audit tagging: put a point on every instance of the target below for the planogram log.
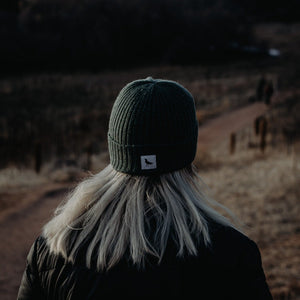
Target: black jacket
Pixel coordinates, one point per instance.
(230, 269)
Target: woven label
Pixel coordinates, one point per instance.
(148, 162)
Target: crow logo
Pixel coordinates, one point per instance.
(148, 162)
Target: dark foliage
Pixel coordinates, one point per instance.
(93, 34)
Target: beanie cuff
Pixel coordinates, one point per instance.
(150, 159)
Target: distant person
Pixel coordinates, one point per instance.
(269, 90)
(260, 89)
(143, 227)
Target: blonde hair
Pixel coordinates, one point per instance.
(111, 213)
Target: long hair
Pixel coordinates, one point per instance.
(112, 214)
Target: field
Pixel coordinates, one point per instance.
(53, 132)
(262, 190)
(74, 110)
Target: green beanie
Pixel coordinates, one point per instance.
(152, 128)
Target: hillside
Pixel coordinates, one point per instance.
(53, 133)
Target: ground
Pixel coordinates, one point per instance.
(261, 189)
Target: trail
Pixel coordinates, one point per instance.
(20, 227)
(216, 130)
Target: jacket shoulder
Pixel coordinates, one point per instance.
(230, 238)
(230, 248)
(42, 257)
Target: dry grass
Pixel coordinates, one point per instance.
(262, 190)
(65, 115)
(14, 184)
(14, 178)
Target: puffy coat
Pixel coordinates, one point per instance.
(230, 269)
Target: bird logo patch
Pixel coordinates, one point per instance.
(148, 162)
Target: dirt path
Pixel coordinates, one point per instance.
(216, 130)
(18, 230)
(20, 227)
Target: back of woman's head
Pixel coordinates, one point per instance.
(149, 194)
(152, 128)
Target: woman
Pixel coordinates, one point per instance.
(143, 227)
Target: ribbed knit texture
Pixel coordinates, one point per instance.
(152, 118)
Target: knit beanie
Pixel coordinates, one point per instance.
(152, 128)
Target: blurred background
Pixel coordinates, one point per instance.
(63, 62)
